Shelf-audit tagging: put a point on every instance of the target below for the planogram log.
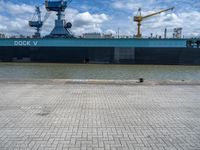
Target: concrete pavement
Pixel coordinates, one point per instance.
(63, 115)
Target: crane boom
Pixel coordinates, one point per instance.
(69, 1)
(158, 13)
(139, 18)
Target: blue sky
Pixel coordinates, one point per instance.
(106, 16)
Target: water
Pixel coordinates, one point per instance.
(90, 71)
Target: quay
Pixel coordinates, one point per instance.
(99, 115)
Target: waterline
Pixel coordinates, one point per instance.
(93, 71)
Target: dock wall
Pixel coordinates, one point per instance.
(112, 55)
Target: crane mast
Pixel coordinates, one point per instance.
(139, 18)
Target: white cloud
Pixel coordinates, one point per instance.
(84, 19)
(15, 21)
(110, 31)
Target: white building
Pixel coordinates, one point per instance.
(2, 35)
(92, 35)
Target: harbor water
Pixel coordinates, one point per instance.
(97, 71)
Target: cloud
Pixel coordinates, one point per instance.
(84, 19)
(86, 22)
(15, 20)
(110, 31)
(15, 9)
(107, 16)
(130, 6)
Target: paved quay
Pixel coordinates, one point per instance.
(58, 115)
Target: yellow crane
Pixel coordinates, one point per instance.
(139, 18)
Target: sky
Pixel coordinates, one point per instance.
(105, 16)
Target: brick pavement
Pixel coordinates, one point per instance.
(99, 117)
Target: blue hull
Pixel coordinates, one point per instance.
(115, 51)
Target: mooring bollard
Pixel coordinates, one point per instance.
(141, 80)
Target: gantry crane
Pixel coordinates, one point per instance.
(139, 18)
(61, 28)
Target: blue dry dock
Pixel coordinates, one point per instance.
(105, 51)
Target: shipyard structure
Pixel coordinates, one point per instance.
(62, 46)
